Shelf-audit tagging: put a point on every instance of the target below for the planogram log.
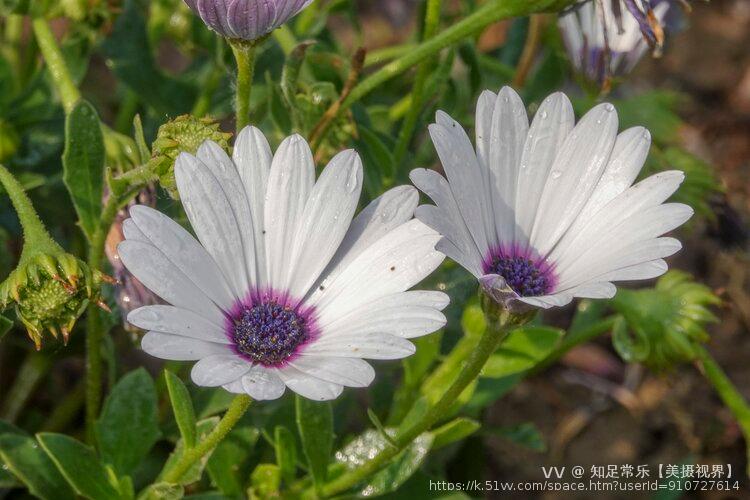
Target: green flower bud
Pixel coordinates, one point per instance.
(183, 134)
(663, 326)
(50, 293)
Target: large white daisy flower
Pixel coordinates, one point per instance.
(282, 288)
(546, 213)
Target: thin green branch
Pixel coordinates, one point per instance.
(244, 54)
(56, 65)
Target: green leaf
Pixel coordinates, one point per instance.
(265, 481)
(83, 165)
(129, 425)
(522, 350)
(526, 434)
(286, 453)
(453, 431)
(33, 467)
(163, 491)
(204, 427)
(79, 465)
(315, 424)
(182, 406)
(228, 465)
(401, 468)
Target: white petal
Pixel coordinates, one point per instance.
(547, 301)
(349, 372)
(382, 215)
(461, 249)
(371, 346)
(184, 252)
(574, 175)
(406, 321)
(464, 176)
(289, 184)
(308, 386)
(219, 369)
(326, 219)
(263, 384)
(252, 157)
(229, 179)
(594, 291)
(170, 319)
(644, 271)
(552, 123)
(510, 126)
(485, 110)
(131, 231)
(213, 220)
(159, 275)
(179, 348)
(395, 263)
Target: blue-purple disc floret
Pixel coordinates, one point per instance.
(269, 329)
(526, 274)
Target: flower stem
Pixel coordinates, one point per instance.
(728, 394)
(58, 69)
(36, 238)
(244, 54)
(431, 22)
(190, 456)
(494, 334)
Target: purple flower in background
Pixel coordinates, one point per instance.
(246, 19)
(608, 37)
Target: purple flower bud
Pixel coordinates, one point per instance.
(246, 19)
(606, 38)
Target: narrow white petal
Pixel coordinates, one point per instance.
(308, 386)
(461, 249)
(462, 168)
(485, 110)
(229, 179)
(644, 271)
(290, 181)
(184, 252)
(574, 175)
(510, 126)
(159, 275)
(382, 215)
(547, 301)
(600, 290)
(131, 231)
(406, 321)
(252, 157)
(349, 372)
(263, 384)
(170, 319)
(552, 123)
(395, 263)
(326, 219)
(370, 346)
(213, 220)
(178, 348)
(219, 369)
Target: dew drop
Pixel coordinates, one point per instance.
(544, 114)
(556, 174)
(609, 107)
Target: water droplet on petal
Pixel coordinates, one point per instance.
(556, 174)
(609, 107)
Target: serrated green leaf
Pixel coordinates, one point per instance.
(182, 407)
(522, 350)
(453, 431)
(83, 165)
(204, 427)
(286, 453)
(315, 425)
(129, 424)
(230, 461)
(79, 465)
(32, 466)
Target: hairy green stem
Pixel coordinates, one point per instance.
(487, 344)
(244, 54)
(31, 372)
(431, 22)
(12, 39)
(728, 394)
(190, 456)
(58, 69)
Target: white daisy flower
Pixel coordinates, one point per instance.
(545, 213)
(282, 288)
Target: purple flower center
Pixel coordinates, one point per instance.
(269, 332)
(527, 275)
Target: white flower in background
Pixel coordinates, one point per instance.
(282, 288)
(607, 38)
(546, 213)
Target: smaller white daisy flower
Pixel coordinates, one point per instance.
(545, 213)
(605, 38)
(284, 287)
